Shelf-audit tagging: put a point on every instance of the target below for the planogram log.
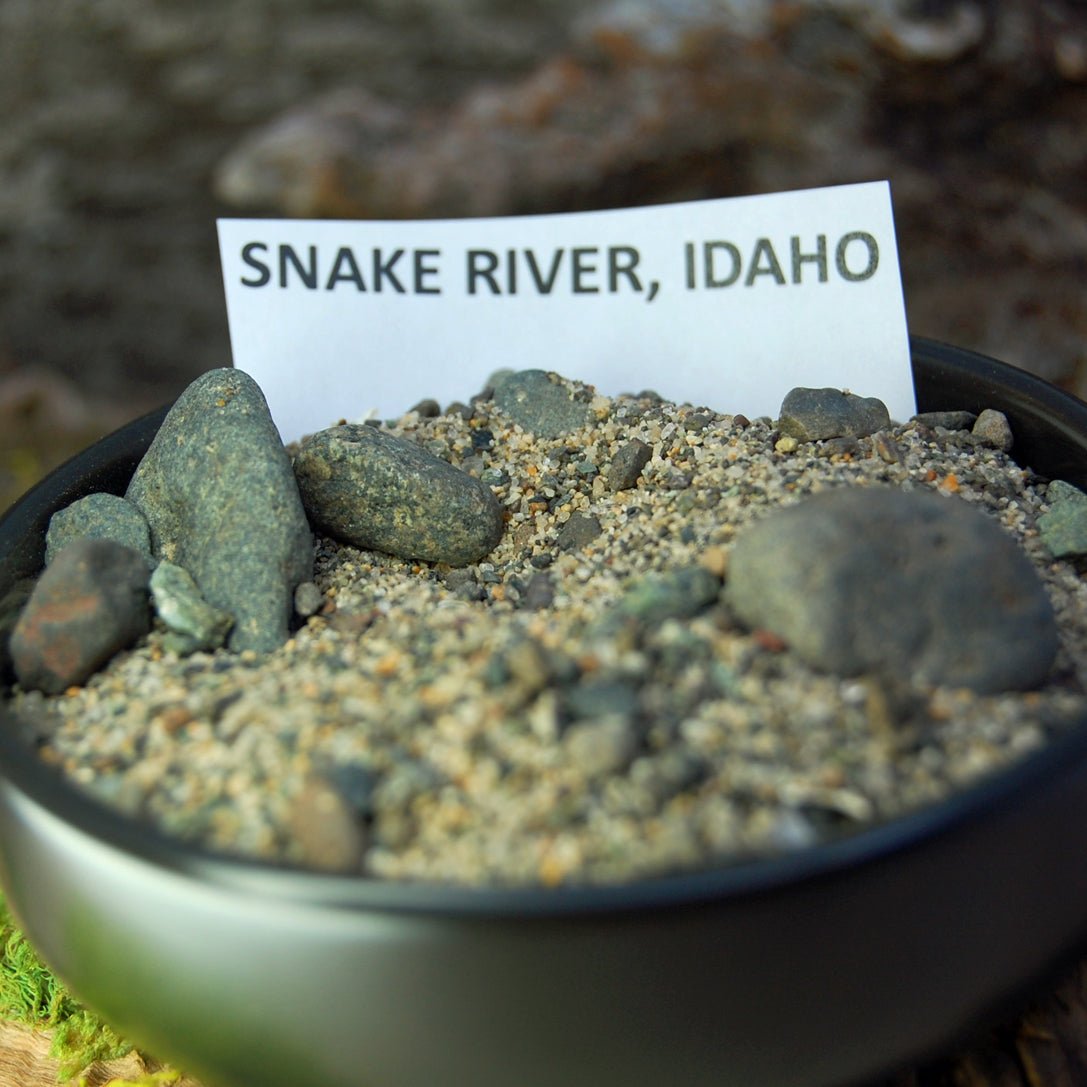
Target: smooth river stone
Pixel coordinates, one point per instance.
(810, 415)
(907, 583)
(371, 489)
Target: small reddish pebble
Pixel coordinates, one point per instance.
(768, 640)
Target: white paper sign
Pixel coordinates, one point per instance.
(723, 303)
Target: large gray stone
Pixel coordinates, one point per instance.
(383, 492)
(218, 491)
(913, 584)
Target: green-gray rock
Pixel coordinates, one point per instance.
(219, 494)
(1064, 528)
(193, 624)
(810, 415)
(541, 402)
(98, 517)
(675, 594)
(376, 490)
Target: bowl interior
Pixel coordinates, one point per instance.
(1050, 429)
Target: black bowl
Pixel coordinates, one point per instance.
(832, 964)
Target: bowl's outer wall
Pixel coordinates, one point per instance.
(823, 981)
(820, 980)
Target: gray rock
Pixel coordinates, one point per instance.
(376, 490)
(909, 584)
(992, 428)
(98, 517)
(602, 746)
(461, 409)
(193, 624)
(1064, 528)
(89, 603)
(539, 593)
(579, 531)
(541, 402)
(677, 594)
(947, 420)
(627, 464)
(603, 697)
(427, 409)
(812, 414)
(217, 489)
(308, 599)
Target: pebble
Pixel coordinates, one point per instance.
(601, 746)
(579, 531)
(602, 697)
(539, 593)
(102, 517)
(369, 488)
(325, 828)
(217, 489)
(896, 582)
(674, 594)
(627, 464)
(992, 428)
(308, 599)
(540, 402)
(809, 415)
(1064, 528)
(89, 603)
(947, 420)
(428, 408)
(192, 622)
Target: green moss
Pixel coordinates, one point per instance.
(31, 994)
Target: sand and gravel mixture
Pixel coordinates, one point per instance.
(572, 708)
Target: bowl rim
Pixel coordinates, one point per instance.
(716, 885)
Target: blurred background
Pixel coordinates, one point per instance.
(128, 128)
